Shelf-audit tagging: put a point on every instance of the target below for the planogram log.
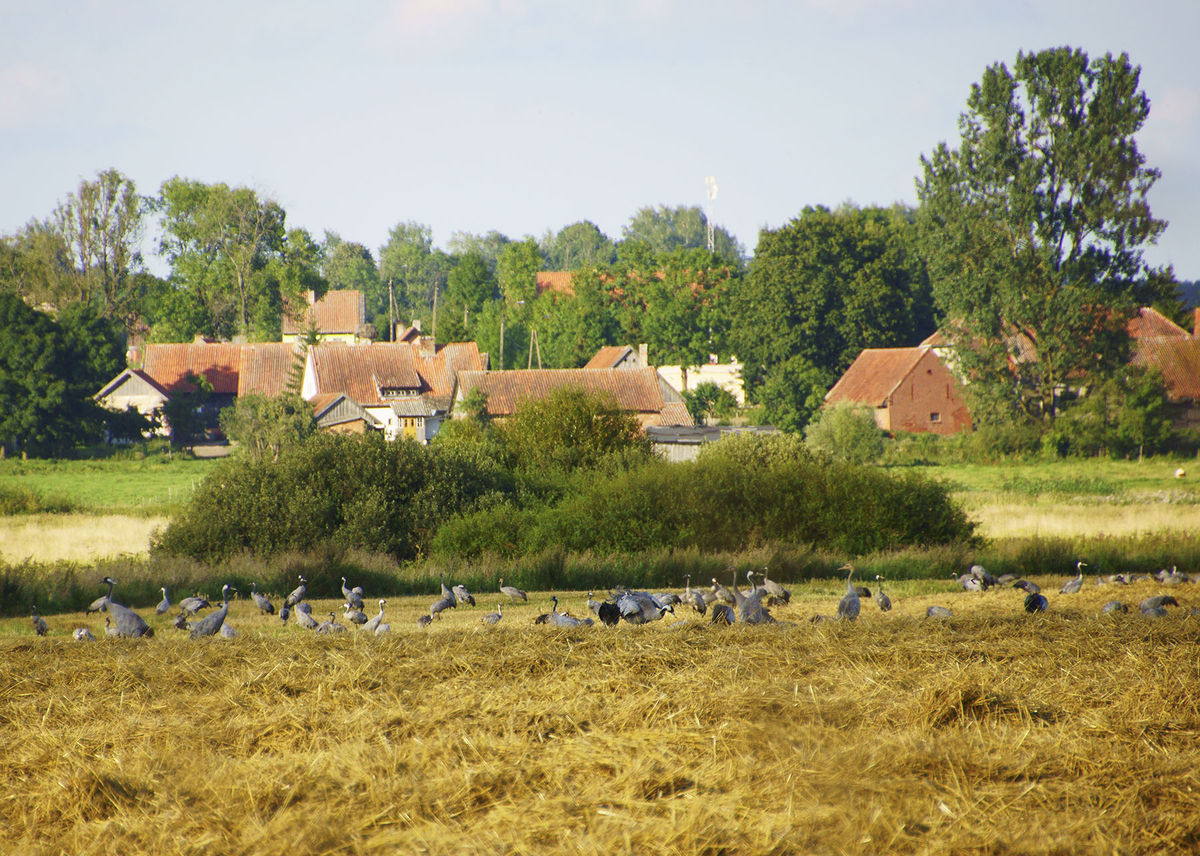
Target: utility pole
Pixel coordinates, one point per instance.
(711, 184)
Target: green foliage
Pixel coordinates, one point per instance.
(846, 432)
(822, 288)
(1128, 414)
(1034, 227)
(707, 400)
(264, 426)
(665, 229)
(18, 499)
(332, 490)
(569, 430)
(792, 393)
(576, 246)
(46, 383)
(184, 412)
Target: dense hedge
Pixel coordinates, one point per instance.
(347, 492)
(741, 493)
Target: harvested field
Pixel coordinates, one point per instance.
(993, 732)
(75, 537)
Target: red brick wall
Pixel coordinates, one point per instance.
(930, 388)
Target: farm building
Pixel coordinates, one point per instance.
(908, 389)
(641, 392)
(339, 316)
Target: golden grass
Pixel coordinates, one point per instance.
(74, 537)
(1064, 519)
(996, 732)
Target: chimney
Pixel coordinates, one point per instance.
(426, 346)
(643, 356)
(311, 296)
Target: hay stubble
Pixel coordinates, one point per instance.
(996, 732)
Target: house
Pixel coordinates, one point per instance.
(620, 357)
(164, 372)
(339, 414)
(727, 376)
(268, 368)
(339, 316)
(908, 389)
(1176, 356)
(405, 387)
(641, 392)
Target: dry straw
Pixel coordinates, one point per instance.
(993, 732)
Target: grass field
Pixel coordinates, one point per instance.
(995, 732)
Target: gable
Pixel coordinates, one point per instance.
(1176, 359)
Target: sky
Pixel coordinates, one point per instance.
(523, 116)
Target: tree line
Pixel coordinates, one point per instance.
(1028, 236)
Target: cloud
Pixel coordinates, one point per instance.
(28, 91)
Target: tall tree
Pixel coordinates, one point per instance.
(349, 265)
(1034, 227)
(827, 285)
(469, 286)
(413, 268)
(487, 246)
(217, 238)
(576, 246)
(684, 227)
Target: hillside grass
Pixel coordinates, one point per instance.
(995, 732)
(156, 485)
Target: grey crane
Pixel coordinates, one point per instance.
(284, 613)
(354, 596)
(609, 613)
(424, 620)
(593, 605)
(128, 623)
(723, 594)
(882, 600)
(82, 634)
(164, 604)
(462, 595)
(514, 593)
(100, 604)
(304, 619)
(1173, 577)
(110, 629)
(192, 605)
(1115, 606)
(446, 591)
(265, 607)
(981, 573)
(211, 624)
(1157, 601)
(39, 623)
(228, 631)
(969, 582)
(722, 613)
(441, 605)
(297, 594)
(1073, 586)
(775, 592)
(372, 626)
(1036, 602)
(751, 609)
(640, 607)
(939, 612)
(562, 619)
(494, 617)
(331, 626)
(354, 616)
(850, 604)
(181, 622)
(1028, 587)
(693, 598)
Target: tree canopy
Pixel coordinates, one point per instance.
(1034, 226)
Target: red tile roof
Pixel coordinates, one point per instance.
(874, 375)
(633, 390)
(360, 371)
(1177, 359)
(558, 281)
(608, 357)
(1150, 323)
(339, 311)
(265, 368)
(168, 364)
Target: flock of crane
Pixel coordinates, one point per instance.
(720, 604)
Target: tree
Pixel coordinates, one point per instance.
(569, 429)
(578, 245)
(469, 286)
(217, 238)
(708, 400)
(847, 432)
(679, 309)
(827, 285)
(488, 247)
(263, 427)
(793, 392)
(1034, 227)
(684, 227)
(46, 384)
(348, 265)
(414, 269)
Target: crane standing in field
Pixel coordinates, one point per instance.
(164, 604)
(514, 593)
(373, 625)
(39, 623)
(211, 624)
(1073, 586)
(354, 596)
(850, 605)
(297, 594)
(882, 600)
(127, 622)
(100, 604)
(494, 617)
(265, 607)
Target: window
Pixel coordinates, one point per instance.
(935, 417)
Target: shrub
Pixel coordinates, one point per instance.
(847, 432)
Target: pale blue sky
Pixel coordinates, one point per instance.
(526, 115)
